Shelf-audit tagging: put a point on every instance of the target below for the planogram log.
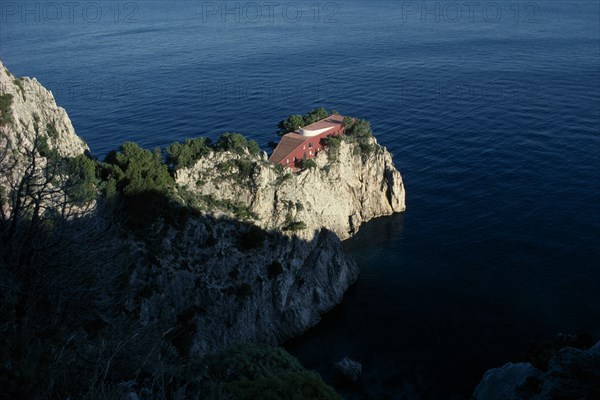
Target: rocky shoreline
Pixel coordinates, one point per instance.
(565, 368)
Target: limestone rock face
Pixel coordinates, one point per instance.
(33, 107)
(276, 289)
(340, 194)
(30, 124)
(571, 374)
(218, 285)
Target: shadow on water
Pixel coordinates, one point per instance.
(420, 329)
(379, 232)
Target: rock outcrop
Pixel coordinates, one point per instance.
(220, 281)
(32, 110)
(571, 374)
(260, 280)
(340, 194)
(209, 280)
(349, 369)
(32, 124)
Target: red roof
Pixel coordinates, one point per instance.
(290, 141)
(286, 145)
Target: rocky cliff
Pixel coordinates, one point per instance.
(211, 279)
(219, 281)
(28, 110)
(340, 193)
(570, 373)
(269, 278)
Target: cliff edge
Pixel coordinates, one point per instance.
(343, 190)
(28, 109)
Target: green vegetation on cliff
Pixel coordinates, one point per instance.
(295, 121)
(237, 143)
(359, 131)
(133, 170)
(249, 372)
(184, 155)
(6, 100)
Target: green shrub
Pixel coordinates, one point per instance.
(183, 155)
(261, 372)
(282, 178)
(6, 100)
(81, 181)
(315, 115)
(308, 163)
(295, 226)
(295, 121)
(51, 131)
(241, 211)
(237, 143)
(253, 147)
(137, 179)
(332, 141)
(290, 124)
(348, 122)
(248, 361)
(332, 144)
(136, 171)
(210, 204)
(366, 149)
(245, 169)
(19, 83)
(359, 132)
(304, 385)
(360, 128)
(225, 166)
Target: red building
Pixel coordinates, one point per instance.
(306, 142)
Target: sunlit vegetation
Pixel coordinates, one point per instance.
(295, 121)
(184, 155)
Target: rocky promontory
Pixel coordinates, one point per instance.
(264, 260)
(341, 192)
(194, 258)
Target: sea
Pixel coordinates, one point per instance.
(490, 108)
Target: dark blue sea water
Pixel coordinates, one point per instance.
(492, 112)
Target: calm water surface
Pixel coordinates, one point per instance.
(493, 117)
